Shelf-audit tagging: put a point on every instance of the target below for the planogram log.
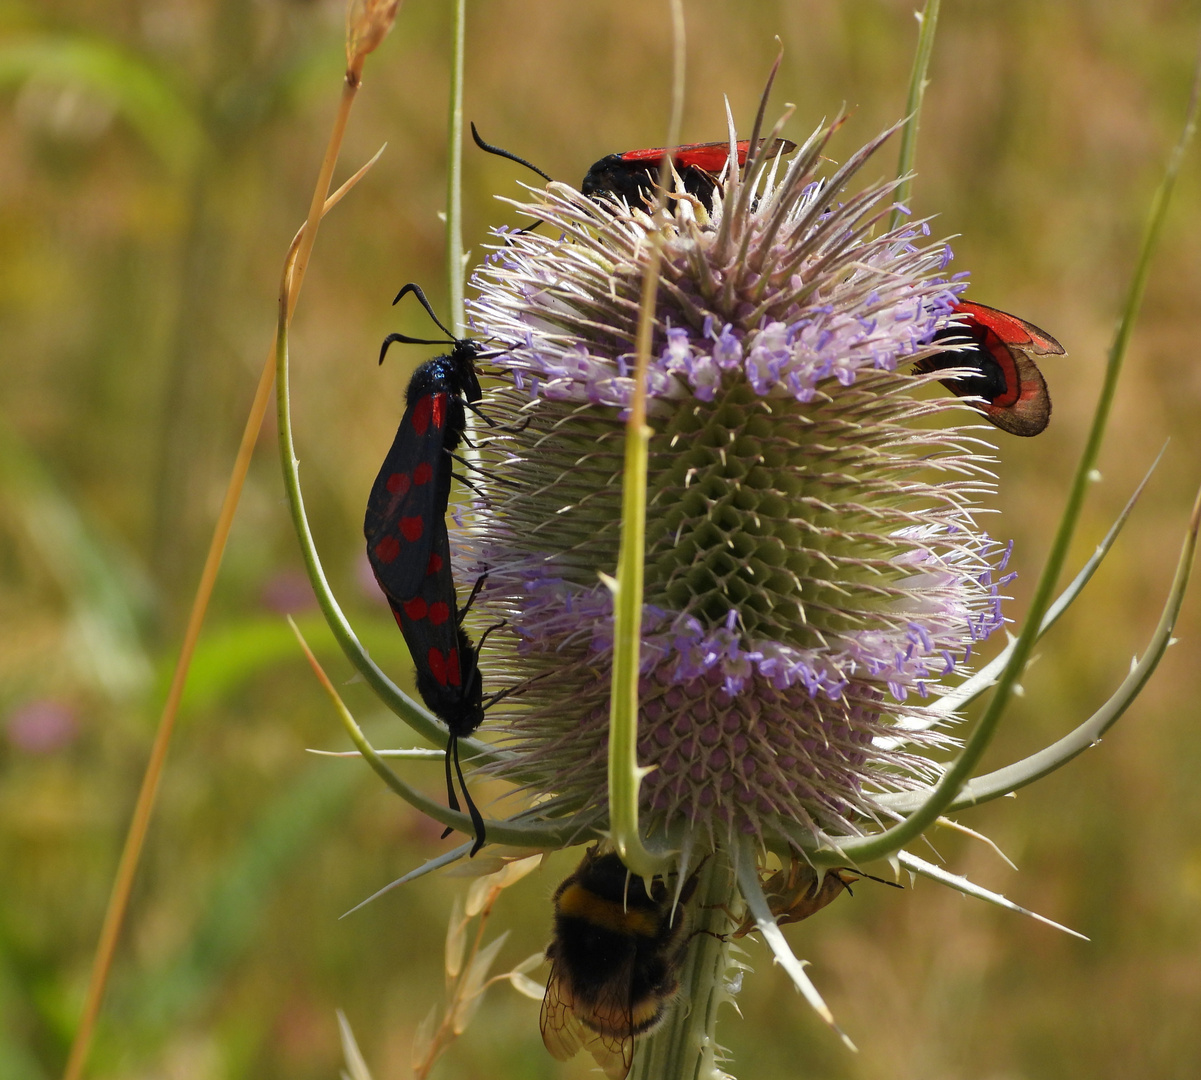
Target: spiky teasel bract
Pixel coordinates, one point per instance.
(814, 564)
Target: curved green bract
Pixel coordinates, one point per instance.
(752, 892)
(947, 791)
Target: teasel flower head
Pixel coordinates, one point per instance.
(815, 563)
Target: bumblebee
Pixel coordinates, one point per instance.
(794, 893)
(615, 961)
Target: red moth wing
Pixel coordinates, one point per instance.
(709, 156)
(1028, 411)
(996, 356)
(632, 176)
(1024, 408)
(1012, 330)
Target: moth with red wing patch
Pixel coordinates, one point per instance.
(448, 674)
(998, 350)
(632, 175)
(409, 549)
(412, 490)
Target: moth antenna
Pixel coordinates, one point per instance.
(499, 152)
(415, 289)
(404, 339)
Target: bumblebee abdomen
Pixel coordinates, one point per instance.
(630, 917)
(592, 954)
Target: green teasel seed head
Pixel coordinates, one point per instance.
(814, 563)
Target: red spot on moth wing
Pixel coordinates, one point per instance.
(399, 483)
(445, 669)
(438, 409)
(420, 416)
(416, 609)
(387, 549)
(423, 474)
(435, 564)
(439, 612)
(411, 528)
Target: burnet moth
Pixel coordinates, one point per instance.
(632, 175)
(408, 546)
(448, 674)
(998, 348)
(412, 491)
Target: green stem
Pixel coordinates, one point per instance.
(684, 1047)
(454, 178)
(927, 24)
(625, 775)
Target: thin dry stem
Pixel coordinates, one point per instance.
(118, 904)
(445, 1034)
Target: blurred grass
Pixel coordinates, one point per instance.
(154, 161)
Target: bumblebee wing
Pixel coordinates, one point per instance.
(408, 497)
(562, 1029)
(570, 1025)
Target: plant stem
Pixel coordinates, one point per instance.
(927, 25)
(454, 175)
(624, 772)
(685, 1047)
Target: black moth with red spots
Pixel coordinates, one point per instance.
(998, 350)
(408, 546)
(448, 674)
(412, 490)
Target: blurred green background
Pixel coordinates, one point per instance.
(155, 159)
